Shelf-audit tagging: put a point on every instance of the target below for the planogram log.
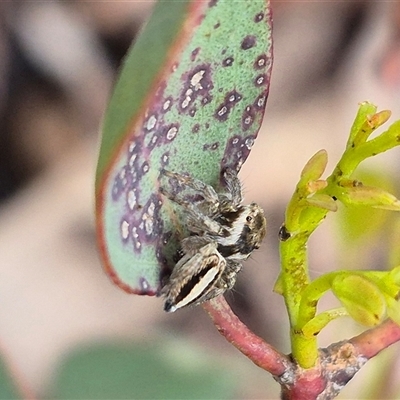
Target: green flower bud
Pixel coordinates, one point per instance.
(315, 167)
(362, 298)
(369, 196)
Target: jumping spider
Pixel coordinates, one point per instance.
(223, 233)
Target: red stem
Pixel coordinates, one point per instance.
(251, 345)
(373, 341)
(306, 384)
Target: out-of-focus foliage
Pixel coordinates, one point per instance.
(8, 390)
(352, 223)
(143, 371)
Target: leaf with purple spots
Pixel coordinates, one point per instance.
(190, 98)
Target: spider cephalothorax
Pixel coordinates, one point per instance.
(223, 233)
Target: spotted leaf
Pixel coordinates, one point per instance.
(190, 98)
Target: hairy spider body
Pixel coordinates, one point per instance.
(223, 233)
(242, 232)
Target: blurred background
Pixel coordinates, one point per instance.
(65, 330)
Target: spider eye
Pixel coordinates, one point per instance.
(249, 219)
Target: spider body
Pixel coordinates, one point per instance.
(242, 230)
(223, 233)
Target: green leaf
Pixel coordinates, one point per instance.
(362, 298)
(142, 371)
(190, 99)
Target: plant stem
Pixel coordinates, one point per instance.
(294, 273)
(373, 341)
(295, 280)
(252, 346)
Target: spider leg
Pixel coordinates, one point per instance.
(191, 244)
(229, 275)
(207, 192)
(199, 223)
(196, 222)
(234, 188)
